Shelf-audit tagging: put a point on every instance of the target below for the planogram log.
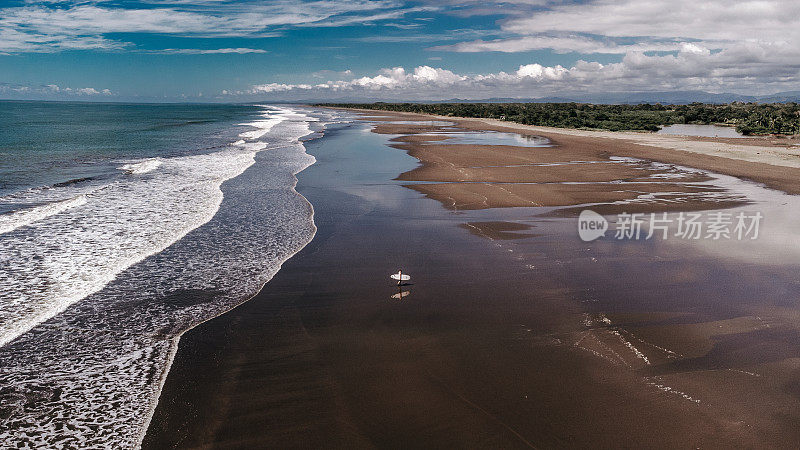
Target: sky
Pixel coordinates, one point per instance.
(293, 50)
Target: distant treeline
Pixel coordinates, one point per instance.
(748, 118)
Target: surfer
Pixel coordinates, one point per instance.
(400, 277)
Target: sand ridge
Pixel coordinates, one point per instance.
(570, 172)
(772, 161)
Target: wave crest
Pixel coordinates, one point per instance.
(141, 167)
(20, 218)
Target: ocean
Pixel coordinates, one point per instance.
(122, 226)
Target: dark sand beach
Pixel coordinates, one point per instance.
(514, 333)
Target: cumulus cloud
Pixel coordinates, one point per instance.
(50, 90)
(387, 79)
(749, 46)
(716, 45)
(692, 67)
(718, 20)
(421, 80)
(620, 26)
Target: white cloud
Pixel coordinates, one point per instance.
(200, 51)
(422, 37)
(752, 69)
(366, 19)
(40, 28)
(559, 44)
(278, 87)
(87, 91)
(332, 74)
(13, 41)
(719, 20)
(749, 46)
(51, 90)
(688, 47)
(713, 44)
(537, 71)
(620, 26)
(394, 78)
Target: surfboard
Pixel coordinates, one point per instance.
(397, 276)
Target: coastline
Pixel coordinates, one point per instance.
(773, 162)
(495, 342)
(96, 370)
(175, 342)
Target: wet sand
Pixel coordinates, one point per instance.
(769, 160)
(564, 173)
(514, 333)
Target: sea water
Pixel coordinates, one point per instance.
(122, 226)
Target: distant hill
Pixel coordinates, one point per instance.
(781, 97)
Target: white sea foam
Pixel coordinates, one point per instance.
(68, 257)
(262, 127)
(95, 370)
(138, 168)
(24, 217)
(65, 257)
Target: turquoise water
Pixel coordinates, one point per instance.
(121, 226)
(45, 143)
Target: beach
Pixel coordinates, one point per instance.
(513, 332)
(358, 224)
(120, 234)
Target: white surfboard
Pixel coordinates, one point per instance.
(400, 276)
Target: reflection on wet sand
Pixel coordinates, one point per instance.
(400, 294)
(494, 174)
(541, 340)
(482, 137)
(714, 323)
(498, 229)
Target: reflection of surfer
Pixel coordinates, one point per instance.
(400, 277)
(400, 294)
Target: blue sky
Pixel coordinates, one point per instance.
(225, 50)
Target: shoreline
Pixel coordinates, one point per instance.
(560, 173)
(749, 159)
(101, 382)
(508, 334)
(175, 344)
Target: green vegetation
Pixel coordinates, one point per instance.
(748, 118)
